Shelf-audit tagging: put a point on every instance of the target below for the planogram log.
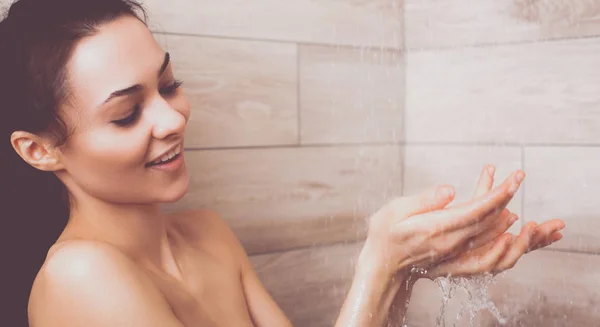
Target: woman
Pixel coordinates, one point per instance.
(96, 117)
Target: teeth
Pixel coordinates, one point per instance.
(168, 156)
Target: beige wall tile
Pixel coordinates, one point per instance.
(367, 23)
(429, 166)
(283, 198)
(243, 93)
(544, 289)
(309, 284)
(526, 93)
(442, 23)
(564, 183)
(350, 95)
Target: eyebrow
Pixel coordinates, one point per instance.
(138, 87)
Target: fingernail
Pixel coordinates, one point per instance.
(519, 177)
(491, 170)
(445, 192)
(513, 219)
(557, 238)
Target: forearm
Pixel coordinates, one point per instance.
(373, 293)
(399, 307)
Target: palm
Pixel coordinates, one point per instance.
(496, 250)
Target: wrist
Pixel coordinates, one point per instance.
(369, 300)
(375, 262)
(375, 274)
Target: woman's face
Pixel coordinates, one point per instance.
(126, 110)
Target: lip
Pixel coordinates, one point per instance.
(171, 166)
(165, 152)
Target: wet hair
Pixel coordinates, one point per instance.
(37, 38)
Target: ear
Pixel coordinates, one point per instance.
(36, 151)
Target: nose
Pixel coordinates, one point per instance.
(168, 121)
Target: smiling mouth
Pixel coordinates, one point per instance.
(163, 162)
(167, 158)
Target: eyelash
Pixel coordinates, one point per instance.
(167, 90)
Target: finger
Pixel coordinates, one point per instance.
(545, 230)
(483, 259)
(505, 221)
(475, 212)
(486, 181)
(553, 238)
(517, 248)
(546, 234)
(433, 199)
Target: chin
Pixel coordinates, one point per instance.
(177, 190)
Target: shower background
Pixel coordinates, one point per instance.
(308, 115)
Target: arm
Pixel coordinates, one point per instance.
(374, 298)
(92, 285)
(369, 301)
(263, 310)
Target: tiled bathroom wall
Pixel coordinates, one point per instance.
(310, 115)
(515, 83)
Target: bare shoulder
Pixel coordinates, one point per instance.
(86, 283)
(208, 229)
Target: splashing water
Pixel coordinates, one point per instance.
(478, 299)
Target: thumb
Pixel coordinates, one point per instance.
(433, 199)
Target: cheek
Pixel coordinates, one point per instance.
(101, 160)
(118, 152)
(182, 105)
(110, 166)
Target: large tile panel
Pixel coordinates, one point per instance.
(351, 95)
(243, 93)
(564, 183)
(450, 23)
(527, 93)
(361, 23)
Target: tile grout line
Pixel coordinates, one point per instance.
(387, 48)
(523, 188)
(280, 41)
(489, 45)
(558, 250)
(349, 242)
(352, 242)
(390, 143)
(298, 94)
(403, 124)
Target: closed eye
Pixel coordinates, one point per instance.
(129, 119)
(171, 88)
(166, 90)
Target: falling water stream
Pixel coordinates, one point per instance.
(478, 299)
(369, 89)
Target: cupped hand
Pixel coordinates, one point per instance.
(419, 231)
(495, 251)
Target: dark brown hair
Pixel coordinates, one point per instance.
(37, 38)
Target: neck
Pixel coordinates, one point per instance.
(140, 231)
